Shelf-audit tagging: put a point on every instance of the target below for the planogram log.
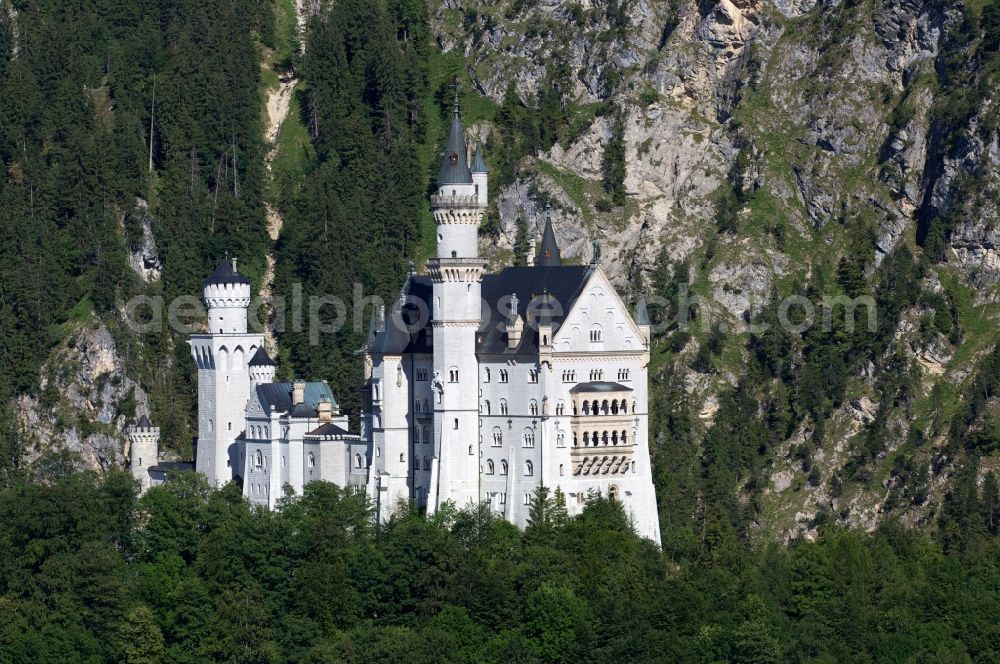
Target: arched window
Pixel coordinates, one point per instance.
(586, 439)
(503, 466)
(503, 406)
(416, 406)
(258, 460)
(497, 437)
(614, 437)
(596, 334)
(402, 457)
(453, 375)
(486, 406)
(586, 408)
(489, 466)
(486, 375)
(560, 470)
(427, 436)
(532, 375)
(575, 441)
(427, 463)
(624, 406)
(533, 407)
(357, 460)
(529, 469)
(378, 452)
(416, 463)
(613, 493)
(503, 375)
(560, 408)
(605, 408)
(624, 437)
(614, 407)
(529, 438)
(561, 439)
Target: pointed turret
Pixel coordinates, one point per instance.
(480, 178)
(455, 163)
(262, 368)
(548, 253)
(262, 359)
(478, 163)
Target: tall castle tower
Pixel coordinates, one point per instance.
(456, 273)
(144, 452)
(222, 356)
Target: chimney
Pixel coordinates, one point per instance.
(530, 258)
(325, 411)
(515, 326)
(298, 392)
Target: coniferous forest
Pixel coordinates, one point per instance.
(116, 111)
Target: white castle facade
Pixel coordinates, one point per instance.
(478, 387)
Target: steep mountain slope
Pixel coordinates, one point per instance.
(774, 150)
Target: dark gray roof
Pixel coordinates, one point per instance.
(278, 398)
(261, 359)
(548, 252)
(559, 285)
(478, 163)
(641, 312)
(168, 466)
(328, 429)
(599, 386)
(143, 423)
(455, 163)
(226, 274)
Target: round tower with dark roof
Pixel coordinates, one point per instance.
(222, 356)
(227, 295)
(456, 275)
(144, 439)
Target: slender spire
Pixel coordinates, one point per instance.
(548, 253)
(455, 162)
(641, 311)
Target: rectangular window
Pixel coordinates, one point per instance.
(421, 374)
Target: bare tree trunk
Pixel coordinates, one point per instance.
(152, 116)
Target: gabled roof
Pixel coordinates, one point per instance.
(548, 252)
(478, 163)
(277, 397)
(226, 274)
(454, 162)
(261, 359)
(329, 429)
(599, 386)
(559, 285)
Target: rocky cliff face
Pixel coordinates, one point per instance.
(85, 404)
(804, 132)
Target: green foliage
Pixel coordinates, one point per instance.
(613, 162)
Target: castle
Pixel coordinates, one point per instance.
(478, 387)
